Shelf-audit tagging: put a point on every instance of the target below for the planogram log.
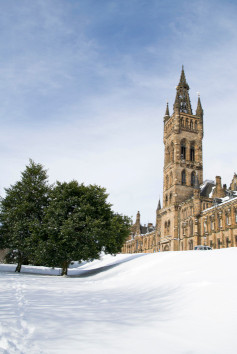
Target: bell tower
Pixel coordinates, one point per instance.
(183, 134)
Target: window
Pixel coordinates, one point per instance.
(171, 179)
(183, 150)
(186, 122)
(212, 224)
(191, 244)
(183, 177)
(172, 152)
(191, 228)
(168, 226)
(236, 216)
(191, 125)
(227, 219)
(166, 200)
(193, 179)
(192, 153)
(183, 230)
(167, 155)
(195, 125)
(170, 197)
(167, 182)
(219, 221)
(205, 226)
(218, 243)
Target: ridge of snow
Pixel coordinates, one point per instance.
(167, 302)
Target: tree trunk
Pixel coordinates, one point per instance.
(65, 267)
(18, 267)
(19, 262)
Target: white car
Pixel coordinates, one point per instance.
(202, 248)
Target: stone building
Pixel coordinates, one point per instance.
(195, 212)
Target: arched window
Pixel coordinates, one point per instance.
(183, 177)
(183, 150)
(191, 124)
(195, 125)
(187, 123)
(166, 200)
(182, 122)
(192, 152)
(170, 197)
(193, 179)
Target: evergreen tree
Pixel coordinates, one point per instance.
(78, 225)
(21, 214)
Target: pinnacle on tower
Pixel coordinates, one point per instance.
(182, 101)
(199, 110)
(138, 217)
(167, 113)
(158, 206)
(182, 81)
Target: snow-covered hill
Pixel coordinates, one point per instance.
(174, 302)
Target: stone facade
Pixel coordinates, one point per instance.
(194, 212)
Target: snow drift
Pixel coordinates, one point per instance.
(174, 302)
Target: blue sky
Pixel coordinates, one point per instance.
(84, 84)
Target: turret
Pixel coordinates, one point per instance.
(138, 223)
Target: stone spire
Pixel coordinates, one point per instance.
(167, 112)
(158, 206)
(182, 101)
(199, 110)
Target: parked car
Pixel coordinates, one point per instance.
(202, 248)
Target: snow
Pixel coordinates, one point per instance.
(169, 302)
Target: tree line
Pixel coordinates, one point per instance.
(53, 225)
